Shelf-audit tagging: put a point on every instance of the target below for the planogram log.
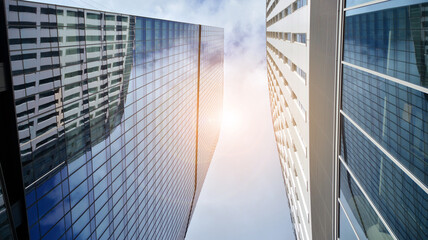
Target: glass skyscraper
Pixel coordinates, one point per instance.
(112, 120)
(358, 71)
(383, 158)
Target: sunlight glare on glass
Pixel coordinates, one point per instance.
(230, 119)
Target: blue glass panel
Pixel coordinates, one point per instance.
(394, 115)
(351, 3)
(98, 147)
(102, 226)
(57, 231)
(76, 164)
(69, 234)
(51, 218)
(32, 215)
(77, 177)
(345, 229)
(65, 190)
(34, 232)
(140, 23)
(80, 224)
(100, 202)
(88, 87)
(67, 220)
(388, 40)
(98, 160)
(102, 185)
(402, 203)
(79, 208)
(78, 193)
(100, 173)
(363, 217)
(85, 234)
(49, 200)
(48, 185)
(30, 197)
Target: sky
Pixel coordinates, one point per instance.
(243, 196)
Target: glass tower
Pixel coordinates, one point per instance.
(383, 131)
(116, 120)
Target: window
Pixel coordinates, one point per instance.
(299, 37)
(93, 16)
(300, 3)
(300, 72)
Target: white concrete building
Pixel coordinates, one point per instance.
(288, 60)
(298, 104)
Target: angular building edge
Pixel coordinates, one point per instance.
(14, 197)
(367, 116)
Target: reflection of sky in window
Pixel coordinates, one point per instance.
(71, 185)
(247, 59)
(346, 231)
(351, 216)
(379, 6)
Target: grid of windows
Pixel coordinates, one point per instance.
(286, 36)
(383, 130)
(346, 230)
(284, 13)
(107, 112)
(361, 214)
(288, 61)
(210, 90)
(390, 41)
(285, 129)
(392, 114)
(288, 88)
(398, 198)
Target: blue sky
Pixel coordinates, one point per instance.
(243, 196)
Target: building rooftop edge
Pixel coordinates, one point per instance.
(98, 10)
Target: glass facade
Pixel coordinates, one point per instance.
(210, 91)
(107, 109)
(5, 227)
(384, 129)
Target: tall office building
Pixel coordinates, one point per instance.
(383, 130)
(288, 44)
(111, 122)
(367, 141)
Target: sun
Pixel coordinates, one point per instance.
(230, 119)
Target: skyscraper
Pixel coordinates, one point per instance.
(383, 130)
(111, 121)
(288, 44)
(367, 116)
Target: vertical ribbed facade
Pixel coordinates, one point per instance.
(383, 132)
(287, 47)
(107, 117)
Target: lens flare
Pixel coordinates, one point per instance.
(230, 119)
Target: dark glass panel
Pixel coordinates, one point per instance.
(368, 224)
(401, 202)
(394, 115)
(389, 41)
